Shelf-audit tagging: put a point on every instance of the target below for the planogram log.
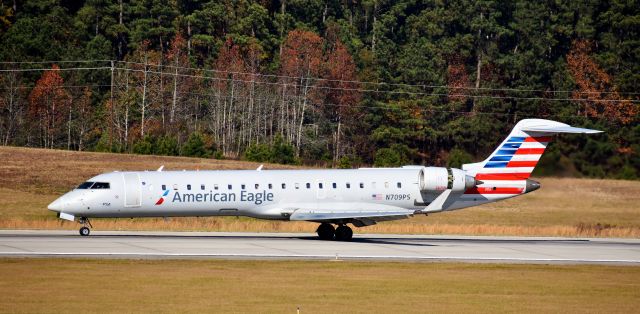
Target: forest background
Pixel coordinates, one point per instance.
(327, 83)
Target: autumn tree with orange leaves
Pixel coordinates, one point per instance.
(178, 59)
(49, 105)
(595, 90)
(343, 94)
(228, 78)
(300, 66)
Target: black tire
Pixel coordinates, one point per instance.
(344, 233)
(84, 231)
(326, 232)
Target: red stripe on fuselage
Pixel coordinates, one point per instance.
(538, 139)
(503, 176)
(513, 164)
(493, 190)
(530, 151)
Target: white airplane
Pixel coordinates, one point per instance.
(361, 197)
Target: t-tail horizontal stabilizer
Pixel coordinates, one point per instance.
(557, 127)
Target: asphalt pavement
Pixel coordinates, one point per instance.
(378, 247)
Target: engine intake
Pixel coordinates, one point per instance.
(439, 179)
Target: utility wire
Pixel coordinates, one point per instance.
(319, 106)
(424, 86)
(295, 85)
(363, 82)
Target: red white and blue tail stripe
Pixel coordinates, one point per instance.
(515, 159)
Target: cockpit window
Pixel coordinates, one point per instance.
(100, 185)
(85, 185)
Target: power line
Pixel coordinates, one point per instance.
(55, 61)
(49, 69)
(365, 82)
(388, 108)
(295, 85)
(60, 86)
(363, 90)
(432, 94)
(423, 86)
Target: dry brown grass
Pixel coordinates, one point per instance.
(57, 171)
(116, 286)
(32, 178)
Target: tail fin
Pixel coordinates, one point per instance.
(519, 153)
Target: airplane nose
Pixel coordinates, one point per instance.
(55, 206)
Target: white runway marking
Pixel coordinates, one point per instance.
(176, 245)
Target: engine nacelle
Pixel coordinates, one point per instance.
(438, 179)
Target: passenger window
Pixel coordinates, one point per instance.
(215, 186)
(202, 187)
(164, 187)
(297, 185)
(334, 185)
(257, 186)
(230, 186)
(308, 185)
(348, 185)
(242, 186)
(189, 187)
(270, 186)
(399, 185)
(320, 185)
(361, 185)
(284, 186)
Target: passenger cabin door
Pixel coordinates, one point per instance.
(132, 190)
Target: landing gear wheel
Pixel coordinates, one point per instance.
(84, 231)
(344, 233)
(326, 232)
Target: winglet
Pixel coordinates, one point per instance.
(160, 169)
(260, 168)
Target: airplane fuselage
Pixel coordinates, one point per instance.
(267, 194)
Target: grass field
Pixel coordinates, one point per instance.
(32, 178)
(75, 285)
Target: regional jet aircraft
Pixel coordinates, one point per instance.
(361, 197)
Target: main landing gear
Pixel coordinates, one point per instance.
(84, 231)
(328, 232)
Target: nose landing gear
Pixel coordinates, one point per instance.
(84, 230)
(328, 232)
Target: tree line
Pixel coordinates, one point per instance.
(334, 83)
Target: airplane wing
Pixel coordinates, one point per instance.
(360, 214)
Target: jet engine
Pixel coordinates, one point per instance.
(438, 179)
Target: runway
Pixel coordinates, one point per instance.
(216, 245)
